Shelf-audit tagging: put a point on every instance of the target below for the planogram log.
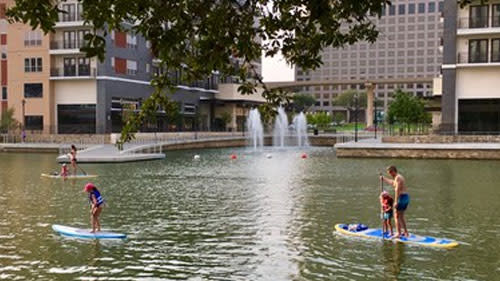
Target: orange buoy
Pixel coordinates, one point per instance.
(304, 156)
(233, 156)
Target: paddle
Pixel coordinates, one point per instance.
(381, 208)
(85, 173)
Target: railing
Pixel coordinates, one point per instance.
(80, 71)
(479, 22)
(70, 17)
(65, 45)
(472, 58)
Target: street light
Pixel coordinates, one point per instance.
(23, 102)
(375, 117)
(356, 117)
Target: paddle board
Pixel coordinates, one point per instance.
(57, 176)
(85, 233)
(376, 233)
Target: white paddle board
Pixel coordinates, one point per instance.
(85, 233)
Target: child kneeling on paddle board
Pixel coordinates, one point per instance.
(386, 203)
(64, 171)
(96, 202)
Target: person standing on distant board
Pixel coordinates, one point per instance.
(72, 157)
(402, 199)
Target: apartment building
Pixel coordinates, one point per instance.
(409, 46)
(54, 88)
(471, 68)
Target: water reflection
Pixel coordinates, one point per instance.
(393, 259)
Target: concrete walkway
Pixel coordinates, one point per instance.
(371, 148)
(108, 153)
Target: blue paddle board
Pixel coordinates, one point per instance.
(85, 233)
(376, 233)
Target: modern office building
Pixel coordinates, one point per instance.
(54, 88)
(471, 68)
(409, 46)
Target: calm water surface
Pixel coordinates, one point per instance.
(252, 218)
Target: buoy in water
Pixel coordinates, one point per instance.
(233, 156)
(269, 156)
(196, 157)
(303, 156)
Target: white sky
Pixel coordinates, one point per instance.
(275, 69)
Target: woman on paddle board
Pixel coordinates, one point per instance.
(402, 199)
(72, 157)
(96, 202)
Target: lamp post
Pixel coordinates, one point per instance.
(375, 113)
(23, 102)
(356, 117)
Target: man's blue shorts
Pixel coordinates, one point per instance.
(403, 201)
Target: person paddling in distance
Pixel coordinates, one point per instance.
(96, 202)
(402, 199)
(386, 203)
(72, 157)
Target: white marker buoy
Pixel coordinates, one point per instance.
(196, 157)
(269, 156)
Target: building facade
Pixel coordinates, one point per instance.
(54, 88)
(409, 45)
(471, 68)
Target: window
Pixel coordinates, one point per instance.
(131, 41)
(33, 90)
(478, 16)
(411, 8)
(148, 68)
(326, 103)
(34, 122)
(421, 8)
(495, 17)
(392, 10)
(440, 6)
(478, 51)
(131, 67)
(33, 65)
(69, 12)
(4, 93)
(495, 50)
(32, 38)
(432, 7)
(401, 9)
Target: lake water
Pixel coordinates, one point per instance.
(252, 218)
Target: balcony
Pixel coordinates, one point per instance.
(65, 47)
(479, 59)
(73, 72)
(478, 25)
(70, 20)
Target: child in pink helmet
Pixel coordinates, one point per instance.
(97, 203)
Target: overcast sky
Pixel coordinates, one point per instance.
(275, 69)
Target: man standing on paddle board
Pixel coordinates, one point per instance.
(402, 198)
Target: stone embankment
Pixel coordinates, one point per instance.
(428, 147)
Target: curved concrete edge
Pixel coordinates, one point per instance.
(116, 158)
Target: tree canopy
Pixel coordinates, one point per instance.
(407, 109)
(320, 120)
(302, 102)
(348, 99)
(202, 36)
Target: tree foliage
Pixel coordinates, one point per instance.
(320, 120)
(407, 109)
(7, 121)
(302, 102)
(348, 99)
(202, 36)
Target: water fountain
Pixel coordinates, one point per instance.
(280, 131)
(300, 126)
(255, 129)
